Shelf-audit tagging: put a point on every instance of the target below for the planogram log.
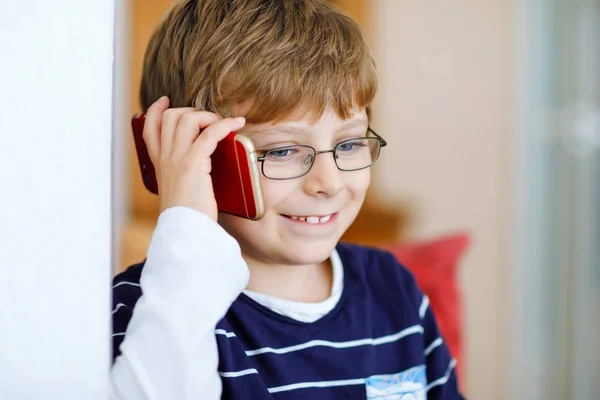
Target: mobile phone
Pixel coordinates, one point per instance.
(235, 172)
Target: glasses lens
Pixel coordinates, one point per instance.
(288, 162)
(356, 154)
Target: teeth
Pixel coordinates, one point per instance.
(312, 219)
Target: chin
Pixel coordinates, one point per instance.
(307, 253)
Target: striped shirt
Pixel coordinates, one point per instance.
(380, 341)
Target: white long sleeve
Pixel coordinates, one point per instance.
(193, 272)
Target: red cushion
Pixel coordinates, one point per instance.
(434, 264)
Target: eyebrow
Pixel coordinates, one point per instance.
(294, 129)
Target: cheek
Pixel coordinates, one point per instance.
(274, 192)
(357, 183)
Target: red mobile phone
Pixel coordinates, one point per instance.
(235, 173)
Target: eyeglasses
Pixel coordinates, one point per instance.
(292, 162)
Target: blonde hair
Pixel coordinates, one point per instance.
(282, 55)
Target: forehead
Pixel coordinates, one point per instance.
(306, 123)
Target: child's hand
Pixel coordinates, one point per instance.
(181, 156)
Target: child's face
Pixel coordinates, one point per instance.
(324, 191)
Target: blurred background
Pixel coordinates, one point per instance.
(489, 189)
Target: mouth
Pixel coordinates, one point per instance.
(311, 219)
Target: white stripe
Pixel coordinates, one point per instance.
(117, 307)
(118, 334)
(341, 345)
(444, 378)
(238, 373)
(436, 343)
(224, 333)
(424, 306)
(303, 385)
(127, 283)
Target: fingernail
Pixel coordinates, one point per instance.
(240, 120)
(162, 99)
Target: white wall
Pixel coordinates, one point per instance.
(445, 106)
(55, 216)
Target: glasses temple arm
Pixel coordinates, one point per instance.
(381, 140)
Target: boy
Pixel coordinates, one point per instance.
(275, 308)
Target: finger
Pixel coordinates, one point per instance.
(152, 127)
(169, 126)
(207, 142)
(189, 128)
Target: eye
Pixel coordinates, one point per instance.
(281, 154)
(350, 145)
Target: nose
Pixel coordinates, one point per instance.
(324, 177)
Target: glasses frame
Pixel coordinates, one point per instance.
(382, 143)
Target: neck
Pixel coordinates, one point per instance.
(302, 283)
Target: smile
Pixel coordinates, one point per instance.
(313, 219)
